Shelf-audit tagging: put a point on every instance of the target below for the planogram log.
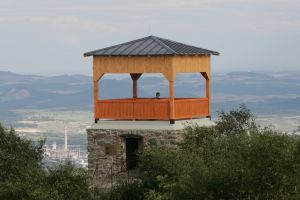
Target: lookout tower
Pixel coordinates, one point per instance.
(125, 126)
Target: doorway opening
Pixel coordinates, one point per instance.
(133, 147)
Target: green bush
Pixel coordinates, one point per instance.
(124, 191)
(21, 171)
(22, 175)
(233, 160)
(67, 182)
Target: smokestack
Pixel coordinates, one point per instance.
(66, 138)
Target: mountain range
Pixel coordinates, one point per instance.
(276, 93)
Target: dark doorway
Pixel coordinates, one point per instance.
(132, 150)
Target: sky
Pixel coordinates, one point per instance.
(49, 37)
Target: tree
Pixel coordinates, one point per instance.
(22, 175)
(21, 170)
(124, 191)
(236, 121)
(67, 182)
(233, 160)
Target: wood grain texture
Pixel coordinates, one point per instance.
(134, 64)
(191, 108)
(166, 65)
(191, 64)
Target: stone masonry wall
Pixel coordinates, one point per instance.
(107, 147)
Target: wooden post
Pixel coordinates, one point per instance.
(208, 96)
(171, 99)
(135, 78)
(96, 96)
(135, 89)
(207, 78)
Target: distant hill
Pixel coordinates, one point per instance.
(263, 93)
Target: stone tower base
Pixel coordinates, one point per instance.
(113, 145)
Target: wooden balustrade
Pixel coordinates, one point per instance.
(151, 108)
(191, 108)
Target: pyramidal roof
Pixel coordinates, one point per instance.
(150, 46)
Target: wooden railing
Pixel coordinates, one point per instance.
(151, 108)
(133, 109)
(191, 108)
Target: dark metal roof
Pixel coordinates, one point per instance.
(151, 46)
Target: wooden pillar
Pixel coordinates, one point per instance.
(135, 89)
(207, 78)
(135, 78)
(208, 95)
(96, 97)
(171, 99)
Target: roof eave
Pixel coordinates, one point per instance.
(87, 54)
(168, 54)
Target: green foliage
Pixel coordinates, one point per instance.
(125, 191)
(20, 166)
(68, 182)
(240, 121)
(156, 162)
(233, 160)
(22, 175)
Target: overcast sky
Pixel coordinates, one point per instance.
(50, 36)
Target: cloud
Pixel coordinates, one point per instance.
(119, 5)
(73, 22)
(63, 29)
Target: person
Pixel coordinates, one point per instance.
(157, 95)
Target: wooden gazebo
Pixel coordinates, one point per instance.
(151, 55)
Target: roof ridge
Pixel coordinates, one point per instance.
(147, 46)
(132, 50)
(217, 53)
(158, 40)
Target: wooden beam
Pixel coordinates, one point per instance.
(191, 64)
(167, 65)
(135, 77)
(132, 64)
(205, 75)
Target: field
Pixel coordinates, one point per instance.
(36, 124)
